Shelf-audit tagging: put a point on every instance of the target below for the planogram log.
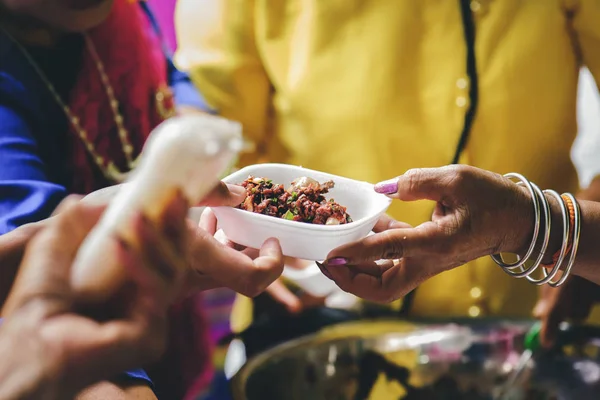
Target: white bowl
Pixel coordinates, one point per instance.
(299, 239)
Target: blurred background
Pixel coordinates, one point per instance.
(360, 88)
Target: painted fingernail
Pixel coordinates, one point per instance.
(337, 261)
(387, 187)
(323, 270)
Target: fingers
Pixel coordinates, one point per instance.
(426, 183)
(208, 221)
(281, 294)
(378, 282)
(195, 282)
(269, 263)
(390, 244)
(224, 195)
(104, 195)
(73, 222)
(67, 203)
(46, 266)
(235, 269)
(13, 246)
(93, 351)
(386, 223)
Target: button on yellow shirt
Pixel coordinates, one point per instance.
(371, 88)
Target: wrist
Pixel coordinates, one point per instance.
(524, 224)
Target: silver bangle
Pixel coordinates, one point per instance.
(536, 229)
(563, 249)
(539, 198)
(525, 273)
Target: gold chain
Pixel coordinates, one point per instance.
(108, 168)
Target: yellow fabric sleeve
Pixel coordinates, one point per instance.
(216, 47)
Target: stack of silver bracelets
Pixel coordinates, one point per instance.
(571, 216)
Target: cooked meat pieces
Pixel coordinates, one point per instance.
(303, 201)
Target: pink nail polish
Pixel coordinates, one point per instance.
(387, 187)
(337, 261)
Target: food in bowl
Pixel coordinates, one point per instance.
(302, 201)
(307, 241)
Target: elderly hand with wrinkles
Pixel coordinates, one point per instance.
(477, 213)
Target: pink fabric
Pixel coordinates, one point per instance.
(164, 11)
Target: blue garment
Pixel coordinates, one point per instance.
(134, 375)
(33, 130)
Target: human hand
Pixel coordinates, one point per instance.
(478, 213)
(12, 248)
(217, 262)
(66, 343)
(573, 301)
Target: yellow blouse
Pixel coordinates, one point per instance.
(371, 88)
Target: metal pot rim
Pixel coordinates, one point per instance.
(239, 380)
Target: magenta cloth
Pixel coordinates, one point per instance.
(164, 12)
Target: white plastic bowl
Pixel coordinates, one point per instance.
(298, 239)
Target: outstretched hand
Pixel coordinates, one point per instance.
(477, 213)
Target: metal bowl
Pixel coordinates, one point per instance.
(400, 360)
(385, 360)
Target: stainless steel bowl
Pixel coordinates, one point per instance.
(397, 360)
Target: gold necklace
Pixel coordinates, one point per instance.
(108, 168)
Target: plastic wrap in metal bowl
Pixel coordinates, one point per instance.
(381, 360)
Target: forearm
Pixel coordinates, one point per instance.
(592, 192)
(587, 262)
